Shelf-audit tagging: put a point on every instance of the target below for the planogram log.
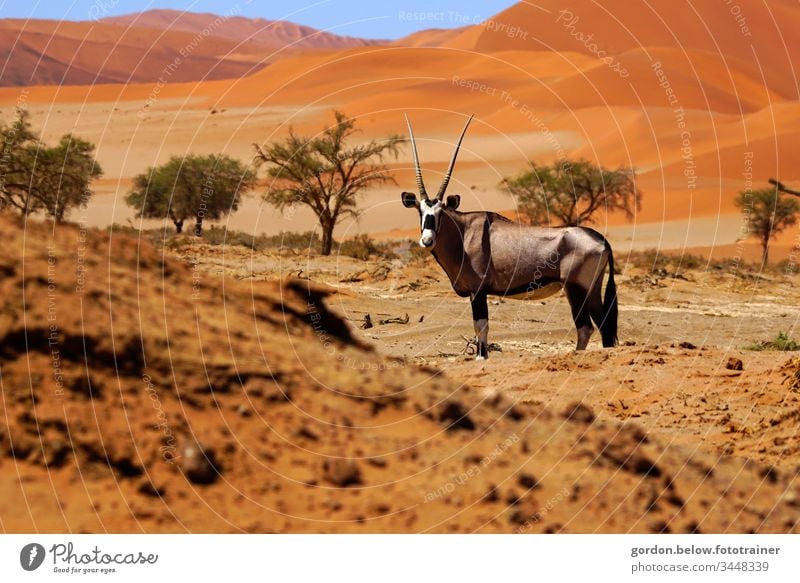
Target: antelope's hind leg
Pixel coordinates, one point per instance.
(596, 310)
(579, 302)
(480, 320)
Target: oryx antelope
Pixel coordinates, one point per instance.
(483, 253)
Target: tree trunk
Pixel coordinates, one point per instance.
(764, 252)
(198, 227)
(327, 237)
(178, 225)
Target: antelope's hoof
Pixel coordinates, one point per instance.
(480, 357)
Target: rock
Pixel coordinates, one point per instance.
(493, 495)
(579, 413)
(332, 505)
(306, 433)
(149, 488)
(199, 464)
(734, 364)
(660, 527)
(626, 451)
(492, 396)
(517, 517)
(515, 414)
(455, 416)
(770, 474)
(268, 389)
(56, 453)
(527, 481)
(341, 472)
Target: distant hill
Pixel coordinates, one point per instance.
(270, 33)
(155, 46)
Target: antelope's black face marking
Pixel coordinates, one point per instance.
(430, 212)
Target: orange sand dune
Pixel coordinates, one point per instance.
(755, 34)
(433, 37)
(342, 76)
(696, 80)
(527, 65)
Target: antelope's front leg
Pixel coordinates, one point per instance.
(480, 320)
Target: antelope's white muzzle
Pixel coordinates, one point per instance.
(429, 214)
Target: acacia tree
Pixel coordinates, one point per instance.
(35, 177)
(570, 193)
(325, 173)
(767, 213)
(67, 170)
(16, 141)
(783, 188)
(191, 187)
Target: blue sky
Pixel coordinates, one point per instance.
(363, 18)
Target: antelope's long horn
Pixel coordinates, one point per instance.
(417, 168)
(447, 176)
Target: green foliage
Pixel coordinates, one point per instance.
(35, 177)
(781, 342)
(767, 213)
(570, 193)
(67, 169)
(191, 187)
(327, 172)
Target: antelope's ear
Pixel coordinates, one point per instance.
(409, 200)
(453, 201)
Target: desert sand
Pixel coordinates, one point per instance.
(200, 388)
(211, 392)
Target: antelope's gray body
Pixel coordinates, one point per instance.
(484, 254)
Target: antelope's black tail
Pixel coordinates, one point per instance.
(608, 324)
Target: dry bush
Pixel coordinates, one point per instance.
(365, 247)
(677, 265)
(782, 342)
